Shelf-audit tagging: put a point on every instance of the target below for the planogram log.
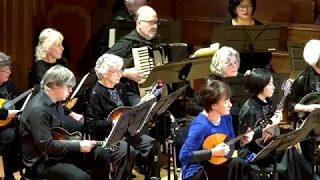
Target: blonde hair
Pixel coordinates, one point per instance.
(311, 52)
(106, 60)
(221, 59)
(47, 38)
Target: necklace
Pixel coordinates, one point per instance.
(214, 123)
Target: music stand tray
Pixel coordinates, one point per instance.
(280, 144)
(138, 115)
(169, 72)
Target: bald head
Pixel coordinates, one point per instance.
(147, 22)
(133, 5)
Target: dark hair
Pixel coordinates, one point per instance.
(257, 80)
(233, 4)
(212, 92)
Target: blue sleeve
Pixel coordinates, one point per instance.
(230, 126)
(196, 136)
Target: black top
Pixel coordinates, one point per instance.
(229, 23)
(37, 119)
(8, 91)
(306, 82)
(102, 102)
(250, 115)
(40, 68)
(260, 59)
(123, 48)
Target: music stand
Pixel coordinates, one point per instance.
(130, 122)
(285, 141)
(169, 72)
(162, 105)
(250, 39)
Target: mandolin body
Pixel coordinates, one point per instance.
(6, 121)
(213, 141)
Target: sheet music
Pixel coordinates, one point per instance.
(26, 102)
(112, 37)
(79, 86)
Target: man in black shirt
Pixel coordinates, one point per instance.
(107, 95)
(44, 112)
(144, 34)
(8, 137)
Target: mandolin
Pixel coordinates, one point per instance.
(6, 104)
(58, 133)
(155, 91)
(218, 138)
(311, 98)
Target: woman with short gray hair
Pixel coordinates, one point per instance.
(106, 60)
(225, 63)
(8, 138)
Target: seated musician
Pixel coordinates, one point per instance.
(242, 12)
(8, 137)
(48, 54)
(225, 63)
(107, 95)
(306, 82)
(144, 34)
(291, 164)
(215, 97)
(39, 148)
(127, 14)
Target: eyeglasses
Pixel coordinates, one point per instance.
(243, 7)
(6, 69)
(151, 23)
(116, 72)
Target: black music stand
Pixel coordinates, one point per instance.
(279, 145)
(162, 105)
(172, 72)
(285, 141)
(130, 123)
(249, 39)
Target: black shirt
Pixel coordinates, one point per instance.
(250, 116)
(102, 102)
(37, 119)
(123, 48)
(40, 67)
(306, 82)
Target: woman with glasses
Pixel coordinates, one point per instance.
(109, 94)
(241, 12)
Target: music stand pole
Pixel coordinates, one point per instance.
(183, 74)
(173, 127)
(161, 107)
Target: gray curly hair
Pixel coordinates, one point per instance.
(221, 59)
(105, 61)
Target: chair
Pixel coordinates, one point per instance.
(297, 61)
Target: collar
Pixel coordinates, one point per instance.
(47, 100)
(268, 101)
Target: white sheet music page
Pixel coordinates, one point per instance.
(112, 37)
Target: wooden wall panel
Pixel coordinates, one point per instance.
(16, 37)
(164, 8)
(73, 19)
(303, 32)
